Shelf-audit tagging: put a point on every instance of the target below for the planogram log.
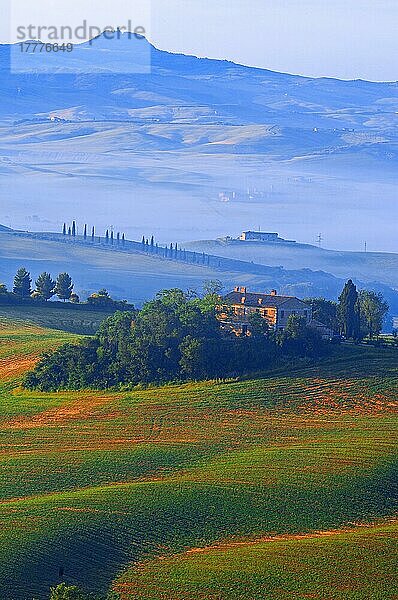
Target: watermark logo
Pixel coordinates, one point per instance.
(80, 36)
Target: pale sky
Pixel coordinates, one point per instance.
(347, 39)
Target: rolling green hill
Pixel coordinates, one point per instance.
(356, 564)
(95, 481)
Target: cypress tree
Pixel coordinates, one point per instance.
(69, 231)
(123, 239)
(349, 312)
(93, 233)
(64, 229)
(45, 286)
(64, 286)
(112, 237)
(74, 229)
(85, 232)
(118, 237)
(107, 236)
(22, 283)
(152, 243)
(143, 242)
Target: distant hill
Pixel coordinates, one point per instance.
(135, 276)
(4, 228)
(199, 143)
(365, 266)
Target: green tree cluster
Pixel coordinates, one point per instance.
(325, 311)
(373, 310)
(360, 314)
(174, 337)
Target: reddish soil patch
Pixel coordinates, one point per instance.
(16, 366)
(79, 409)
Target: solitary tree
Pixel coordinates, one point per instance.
(71, 592)
(259, 326)
(65, 592)
(45, 286)
(75, 299)
(64, 286)
(373, 310)
(349, 311)
(213, 287)
(22, 283)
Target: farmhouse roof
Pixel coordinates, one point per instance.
(267, 300)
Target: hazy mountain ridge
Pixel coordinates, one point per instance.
(366, 266)
(232, 92)
(222, 146)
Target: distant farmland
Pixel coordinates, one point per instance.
(105, 483)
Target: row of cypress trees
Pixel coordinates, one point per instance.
(148, 245)
(174, 251)
(110, 237)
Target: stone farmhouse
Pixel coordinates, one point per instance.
(262, 236)
(240, 304)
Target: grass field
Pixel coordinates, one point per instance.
(65, 319)
(104, 484)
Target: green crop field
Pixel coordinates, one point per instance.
(205, 490)
(358, 564)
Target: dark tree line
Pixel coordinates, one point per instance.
(45, 287)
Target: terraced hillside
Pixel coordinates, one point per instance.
(103, 484)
